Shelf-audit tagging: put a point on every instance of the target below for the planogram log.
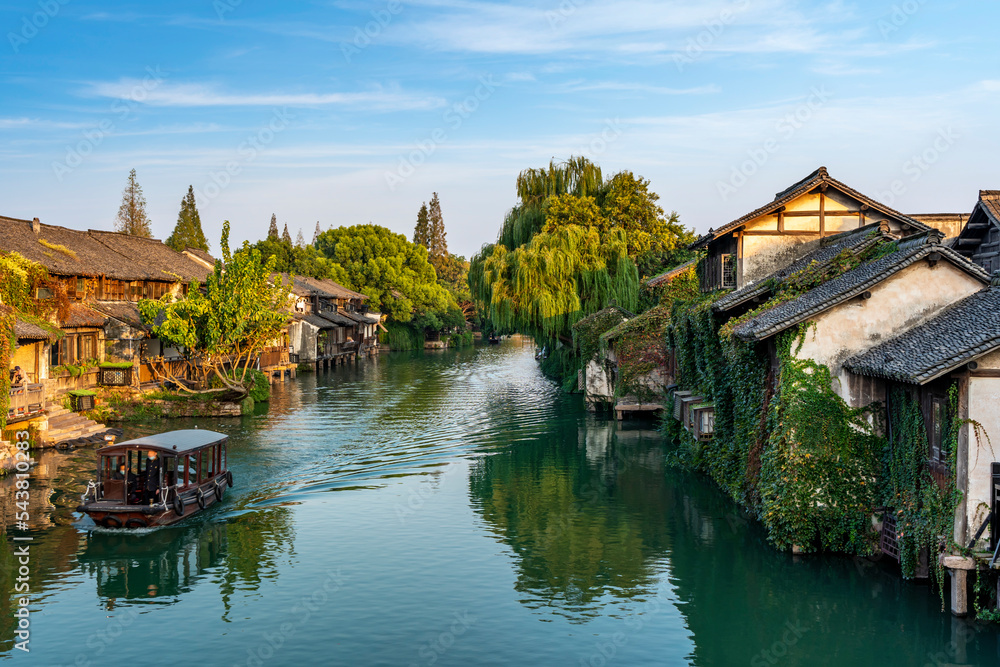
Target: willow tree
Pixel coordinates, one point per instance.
(569, 248)
(225, 326)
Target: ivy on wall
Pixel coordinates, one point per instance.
(812, 469)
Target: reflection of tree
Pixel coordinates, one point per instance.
(585, 518)
(740, 597)
(256, 541)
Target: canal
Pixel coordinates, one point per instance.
(452, 508)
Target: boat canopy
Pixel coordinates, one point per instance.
(171, 442)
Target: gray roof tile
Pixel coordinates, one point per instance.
(851, 284)
(958, 334)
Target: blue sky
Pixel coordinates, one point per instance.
(355, 112)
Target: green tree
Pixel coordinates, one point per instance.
(132, 218)
(437, 244)
(386, 267)
(272, 231)
(285, 236)
(568, 249)
(188, 232)
(224, 327)
(422, 232)
(316, 233)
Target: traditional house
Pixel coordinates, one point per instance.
(102, 275)
(757, 244)
(980, 238)
(956, 351)
(879, 299)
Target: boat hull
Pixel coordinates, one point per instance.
(111, 514)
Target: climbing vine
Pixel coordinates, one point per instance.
(785, 445)
(819, 468)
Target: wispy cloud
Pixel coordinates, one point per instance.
(622, 86)
(207, 95)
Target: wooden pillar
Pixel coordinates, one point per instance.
(959, 592)
(961, 535)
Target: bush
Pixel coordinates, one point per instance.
(260, 388)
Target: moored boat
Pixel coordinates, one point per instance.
(158, 480)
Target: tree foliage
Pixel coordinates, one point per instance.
(569, 248)
(422, 230)
(392, 272)
(285, 236)
(272, 231)
(224, 327)
(188, 232)
(437, 244)
(132, 218)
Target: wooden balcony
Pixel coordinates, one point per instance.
(272, 357)
(26, 401)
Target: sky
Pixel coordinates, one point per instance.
(352, 112)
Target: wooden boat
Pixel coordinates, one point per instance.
(189, 473)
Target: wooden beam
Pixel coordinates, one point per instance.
(822, 210)
(816, 214)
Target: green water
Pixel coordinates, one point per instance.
(453, 509)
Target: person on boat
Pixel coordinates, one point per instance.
(152, 476)
(124, 475)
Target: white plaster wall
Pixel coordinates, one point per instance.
(763, 255)
(907, 299)
(984, 401)
(597, 382)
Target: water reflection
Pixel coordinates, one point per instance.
(162, 564)
(583, 512)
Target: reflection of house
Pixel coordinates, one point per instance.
(755, 245)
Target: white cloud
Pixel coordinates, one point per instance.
(206, 95)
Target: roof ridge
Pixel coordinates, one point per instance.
(989, 194)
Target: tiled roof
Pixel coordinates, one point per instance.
(81, 316)
(339, 318)
(667, 276)
(160, 261)
(29, 331)
(853, 283)
(316, 321)
(957, 335)
(985, 214)
(857, 241)
(68, 252)
(817, 178)
(201, 254)
(123, 311)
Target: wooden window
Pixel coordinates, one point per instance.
(728, 271)
(937, 435)
(43, 293)
(192, 469)
(86, 347)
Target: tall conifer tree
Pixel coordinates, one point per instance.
(285, 236)
(437, 245)
(300, 241)
(422, 232)
(316, 233)
(188, 232)
(272, 231)
(132, 218)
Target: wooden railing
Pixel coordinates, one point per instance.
(274, 356)
(26, 401)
